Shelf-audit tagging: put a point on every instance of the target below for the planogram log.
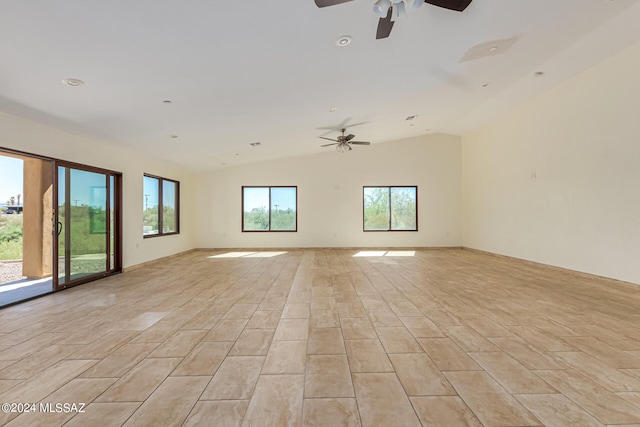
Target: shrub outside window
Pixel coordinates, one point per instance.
(390, 208)
(269, 208)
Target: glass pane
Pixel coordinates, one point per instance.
(112, 223)
(150, 206)
(403, 208)
(283, 208)
(88, 227)
(169, 203)
(62, 211)
(256, 208)
(376, 208)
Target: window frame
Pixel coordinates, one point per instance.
(269, 230)
(389, 188)
(161, 181)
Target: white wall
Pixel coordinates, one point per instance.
(24, 135)
(330, 196)
(557, 179)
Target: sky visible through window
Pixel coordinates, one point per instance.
(87, 188)
(257, 198)
(169, 194)
(283, 199)
(11, 179)
(150, 192)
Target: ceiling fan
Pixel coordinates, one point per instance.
(343, 142)
(385, 10)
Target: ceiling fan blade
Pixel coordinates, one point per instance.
(344, 125)
(457, 5)
(328, 145)
(385, 25)
(325, 3)
(360, 143)
(329, 139)
(349, 137)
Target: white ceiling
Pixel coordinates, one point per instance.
(244, 71)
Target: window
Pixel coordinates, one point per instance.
(390, 208)
(269, 208)
(160, 206)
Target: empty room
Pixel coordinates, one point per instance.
(320, 213)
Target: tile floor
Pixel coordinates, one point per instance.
(322, 338)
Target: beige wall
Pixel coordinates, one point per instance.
(556, 180)
(330, 196)
(28, 136)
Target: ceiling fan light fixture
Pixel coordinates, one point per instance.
(342, 143)
(400, 10)
(415, 4)
(343, 147)
(381, 7)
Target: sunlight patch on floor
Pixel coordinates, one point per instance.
(384, 253)
(370, 253)
(267, 254)
(401, 253)
(21, 284)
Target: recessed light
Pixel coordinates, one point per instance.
(538, 74)
(488, 48)
(343, 41)
(486, 84)
(173, 136)
(73, 82)
(255, 144)
(333, 109)
(166, 101)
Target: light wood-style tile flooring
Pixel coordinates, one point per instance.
(322, 338)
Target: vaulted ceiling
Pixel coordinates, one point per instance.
(239, 72)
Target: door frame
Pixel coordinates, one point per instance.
(116, 232)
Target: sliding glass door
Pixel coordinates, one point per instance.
(87, 231)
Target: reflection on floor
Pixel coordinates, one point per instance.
(261, 254)
(384, 253)
(23, 289)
